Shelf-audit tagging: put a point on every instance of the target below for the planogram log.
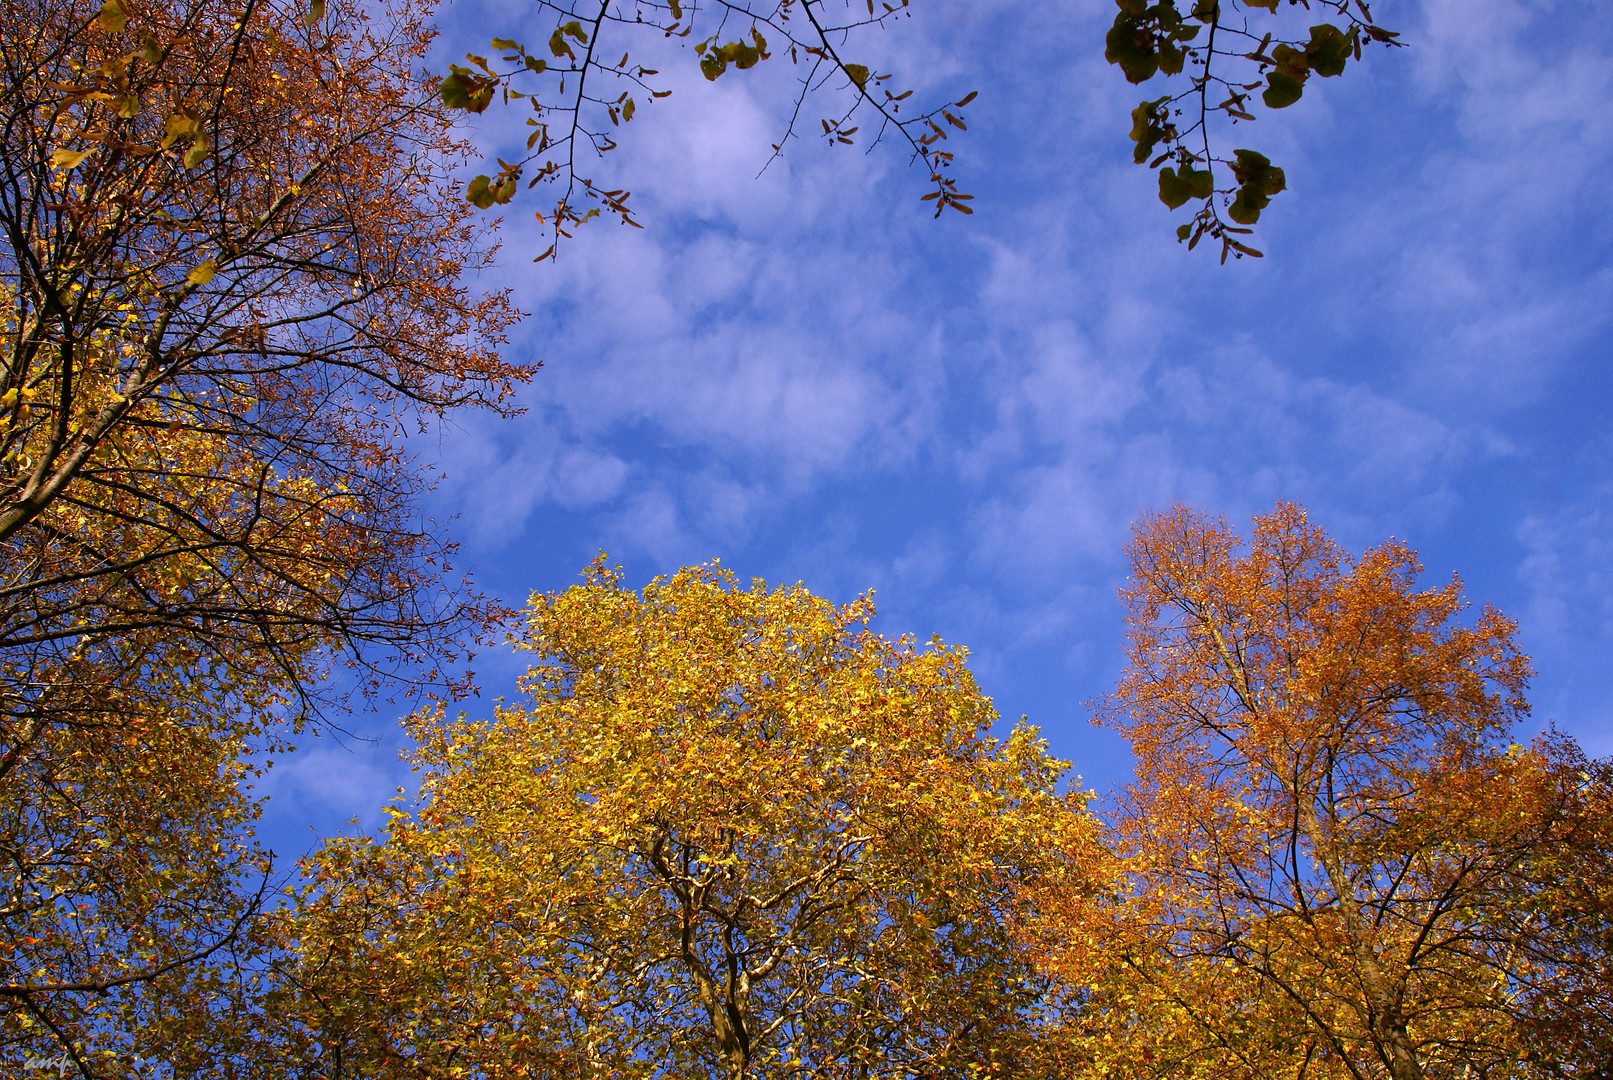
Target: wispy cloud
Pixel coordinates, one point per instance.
(802, 374)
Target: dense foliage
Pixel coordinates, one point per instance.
(1337, 853)
(718, 830)
(723, 832)
(233, 270)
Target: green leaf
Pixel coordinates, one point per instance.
(1255, 170)
(533, 63)
(1130, 45)
(1173, 190)
(1245, 209)
(455, 92)
(315, 15)
(677, 9)
(1247, 161)
(462, 90)
(1328, 50)
(1184, 231)
(1200, 182)
(478, 193)
(1259, 180)
(1283, 89)
(505, 45)
(1146, 129)
(742, 55)
(858, 74)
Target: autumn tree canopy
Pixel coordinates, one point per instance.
(722, 831)
(234, 276)
(1341, 864)
(131, 890)
(719, 831)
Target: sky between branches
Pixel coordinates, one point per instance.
(805, 376)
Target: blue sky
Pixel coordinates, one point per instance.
(805, 376)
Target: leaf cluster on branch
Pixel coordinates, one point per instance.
(1226, 51)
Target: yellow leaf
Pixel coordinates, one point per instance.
(112, 17)
(69, 159)
(197, 152)
(203, 273)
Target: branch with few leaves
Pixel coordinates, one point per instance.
(568, 115)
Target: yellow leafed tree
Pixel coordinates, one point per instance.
(723, 832)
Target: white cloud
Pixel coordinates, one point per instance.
(327, 785)
(804, 373)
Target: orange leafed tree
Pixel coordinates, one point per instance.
(724, 832)
(234, 274)
(231, 258)
(1342, 866)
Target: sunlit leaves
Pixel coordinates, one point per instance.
(714, 58)
(464, 89)
(112, 17)
(559, 46)
(484, 191)
(723, 831)
(68, 159)
(232, 271)
(1325, 784)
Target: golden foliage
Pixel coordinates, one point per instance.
(723, 832)
(218, 322)
(233, 276)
